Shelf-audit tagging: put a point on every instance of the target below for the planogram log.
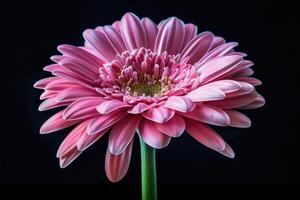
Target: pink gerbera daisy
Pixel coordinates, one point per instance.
(159, 80)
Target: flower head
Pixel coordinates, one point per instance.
(160, 79)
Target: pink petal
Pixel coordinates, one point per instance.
(122, 133)
(55, 123)
(41, 84)
(205, 135)
(133, 32)
(51, 103)
(206, 94)
(70, 141)
(180, 103)
(190, 33)
(228, 151)
(111, 105)
(250, 80)
(72, 94)
(97, 41)
(47, 94)
(83, 108)
(79, 68)
(117, 25)
(151, 32)
(246, 88)
(92, 61)
(238, 119)
(244, 72)
(114, 37)
(116, 166)
(170, 37)
(237, 54)
(139, 108)
(54, 67)
(218, 41)
(235, 102)
(86, 140)
(69, 157)
(162, 23)
(152, 136)
(209, 114)
(55, 58)
(225, 85)
(257, 103)
(159, 114)
(197, 48)
(73, 78)
(242, 69)
(217, 67)
(104, 121)
(219, 51)
(174, 127)
(61, 84)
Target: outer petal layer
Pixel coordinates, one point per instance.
(116, 166)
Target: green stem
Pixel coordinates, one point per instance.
(148, 170)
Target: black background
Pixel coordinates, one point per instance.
(268, 152)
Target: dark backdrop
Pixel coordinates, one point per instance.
(265, 153)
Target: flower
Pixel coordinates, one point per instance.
(158, 79)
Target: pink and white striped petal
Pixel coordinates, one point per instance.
(72, 94)
(68, 75)
(71, 140)
(151, 32)
(180, 103)
(206, 94)
(235, 102)
(104, 121)
(225, 85)
(86, 140)
(152, 136)
(190, 33)
(217, 67)
(174, 127)
(250, 80)
(257, 103)
(83, 108)
(122, 133)
(209, 114)
(48, 94)
(133, 32)
(228, 152)
(97, 41)
(218, 41)
(92, 61)
(139, 108)
(79, 68)
(51, 103)
(246, 88)
(114, 37)
(61, 84)
(109, 106)
(69, 157)
(205, 135)
(56, 59)
(159, 114)
(55, 123)
(41, 84)
(238, 119)
(244, 72)
(218, 52)
(116, 166)
(197, 48)
(170, 37)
